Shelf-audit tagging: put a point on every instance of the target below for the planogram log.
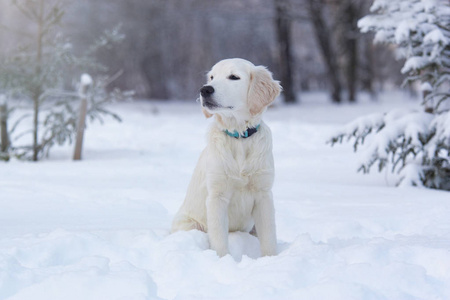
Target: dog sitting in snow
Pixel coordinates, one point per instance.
(231, 188)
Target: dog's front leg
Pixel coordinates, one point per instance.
(264, 217)
(217, 220)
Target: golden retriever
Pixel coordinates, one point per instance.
(231, 188)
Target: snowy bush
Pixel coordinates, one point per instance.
(59, 124)
(415, 144)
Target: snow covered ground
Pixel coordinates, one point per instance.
(99, 228)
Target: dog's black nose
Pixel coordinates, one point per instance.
(206, 91)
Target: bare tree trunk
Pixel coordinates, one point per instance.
(3, 128)
(367, 66)
(349, 17)
(283, 28)
(352, 66)
(323, 37)
(38, 89)
(35, 126)
(80, 129)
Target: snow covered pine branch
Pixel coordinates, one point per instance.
(415, 144)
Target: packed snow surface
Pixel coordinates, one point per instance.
(99, 228)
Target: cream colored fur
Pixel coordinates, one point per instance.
(230, 189)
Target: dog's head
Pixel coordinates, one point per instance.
(236, 87)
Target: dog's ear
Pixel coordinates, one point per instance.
(262, 91)
(206, 113)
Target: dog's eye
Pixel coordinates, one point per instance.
(233, 77)
(211, 77)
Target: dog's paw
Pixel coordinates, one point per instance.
(269, 250)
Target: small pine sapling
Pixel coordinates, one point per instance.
(35, 76)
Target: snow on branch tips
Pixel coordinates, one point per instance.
(85, 82)
(414, 144)
(398, 138)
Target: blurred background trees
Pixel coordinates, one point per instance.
(169, 44)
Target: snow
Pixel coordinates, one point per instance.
(442, 126)
(417, 28)
(374, 120)
(410, 125)
(415, 63)
(402, 32)
(99, 228)
(86, 80)
(434, 37)
(429, 5)
(399, 138)
(425, 87)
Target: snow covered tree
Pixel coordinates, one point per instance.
(416, 144)
(37, 72)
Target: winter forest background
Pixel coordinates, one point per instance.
(168, 45)
(161, 49)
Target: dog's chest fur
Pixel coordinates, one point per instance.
(246, 162)
(244, 181)
(237, 170)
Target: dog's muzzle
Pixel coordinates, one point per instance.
(206, 91)
(209, 103)
(207, 100)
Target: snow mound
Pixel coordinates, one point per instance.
(145, 265)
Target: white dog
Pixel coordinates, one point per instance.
(230, 189)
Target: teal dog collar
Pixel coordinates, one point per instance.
(249, 132)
